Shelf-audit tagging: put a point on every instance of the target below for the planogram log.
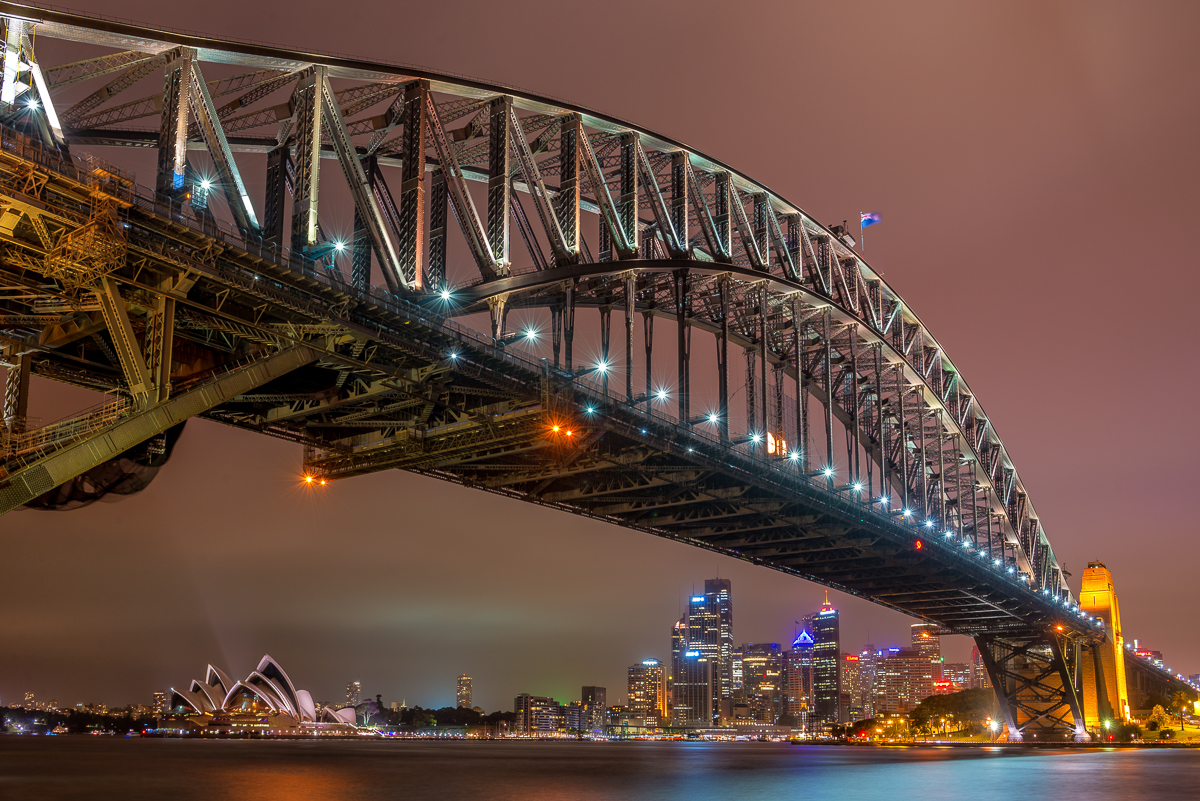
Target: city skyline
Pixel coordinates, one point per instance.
(98, 581)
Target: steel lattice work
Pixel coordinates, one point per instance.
(895, 487)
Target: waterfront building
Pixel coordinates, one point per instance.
(537, 716)
(647, 688)
(464, 692)
(762, 680)
(353, 691)
(692, 690)
(827, 668)
(595, 707)
(576, 718)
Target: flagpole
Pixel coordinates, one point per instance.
(862, 237)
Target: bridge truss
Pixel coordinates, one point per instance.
(857, 455)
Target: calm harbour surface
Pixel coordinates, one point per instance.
(135, 769)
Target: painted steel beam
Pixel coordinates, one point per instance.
(229, 178)
(306, 228)
(561, 248)
(27, 482)
(464, 207)
(365, 206)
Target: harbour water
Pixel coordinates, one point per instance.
(132, 769)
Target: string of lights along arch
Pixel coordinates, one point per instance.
(768, 395)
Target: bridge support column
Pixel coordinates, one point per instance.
(1105, 689)
(1036, 679)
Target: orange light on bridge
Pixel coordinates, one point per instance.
(920, 545)
(308, 479)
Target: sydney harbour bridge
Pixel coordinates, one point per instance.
(851, 451)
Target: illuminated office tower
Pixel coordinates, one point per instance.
(692, 690)
(798, 674)
(927, 643)
(353, 690)
(707, 628)
(719, 595)
(464, 691)
(762, 680)
(852, 686)
(827, 667)
(904, 678)
(867, 669)
(647, 688)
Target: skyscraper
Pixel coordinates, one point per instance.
(827, 667)
(852, 685)
(719, 595)
(707, 630)
(464, 691)
(353, 690)
(694, 677)
(762, 680)
(979, 674)
(647, 688)
(868, 663)
(798, 675)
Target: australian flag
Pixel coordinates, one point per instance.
(869, 218)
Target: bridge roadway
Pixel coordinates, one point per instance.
(149, 296)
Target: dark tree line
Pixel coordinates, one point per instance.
(76, 722)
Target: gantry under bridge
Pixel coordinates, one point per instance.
(850, 450)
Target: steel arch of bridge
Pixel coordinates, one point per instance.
(371, 378)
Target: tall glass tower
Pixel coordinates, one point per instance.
(706, 630)
(827, 668)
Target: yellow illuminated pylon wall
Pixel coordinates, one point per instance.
(1098, 598)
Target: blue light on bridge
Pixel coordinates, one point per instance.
(445, 293)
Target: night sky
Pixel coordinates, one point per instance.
(1036, 169)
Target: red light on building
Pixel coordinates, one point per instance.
(851, 658)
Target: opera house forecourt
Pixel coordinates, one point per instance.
(264, 704)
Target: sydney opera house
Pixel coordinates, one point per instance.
(265, 702)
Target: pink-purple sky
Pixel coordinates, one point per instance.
(1036, 168)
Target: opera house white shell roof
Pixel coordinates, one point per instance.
(267, 685)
